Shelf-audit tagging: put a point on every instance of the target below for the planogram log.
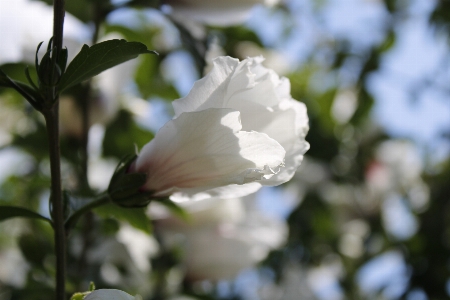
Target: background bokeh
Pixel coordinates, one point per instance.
(365, 217)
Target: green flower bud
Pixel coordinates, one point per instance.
(125, 188)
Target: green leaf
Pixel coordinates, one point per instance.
(45, 68)
(150, 82)
(35, 248)
(91, 61)
(62, 59)
(30, 94)
(79, 296)
(30, 80)
(8, 212)
(91, 286)
(28, 141)
(136, 217)
(173, 208)
(123, 135)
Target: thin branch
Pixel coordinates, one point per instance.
(51, 114)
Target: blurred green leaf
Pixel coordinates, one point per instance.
(136, 217)
(150, 81)
(30, 141)
(91, 61)
(35, 248)
(8, 212)
(78, 296)
(82, 9)
(325, 102)
(16, 71)
(173, 207)
(122, 136)
(365, 104)
(236, 34)
(143, 34)
(29, 93)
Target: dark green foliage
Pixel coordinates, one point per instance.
(35, 248)
(136, 217)
(157, 87)
(95, 59)
(431, 245)
(7, 212)
(123, 135)
(125, 187)
(30, 94)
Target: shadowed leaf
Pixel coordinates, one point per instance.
(91, 61)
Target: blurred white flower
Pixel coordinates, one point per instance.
(140, 245)
(214, 50)
(110, 294)
(14, 267)
(201, 213)
(397, 164)
(397, 168)
(264, 105)
(215, 12)
(402, 157)
(344, 105)
(215, 248)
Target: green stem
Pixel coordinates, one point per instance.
(51, 119)
(102, 199)
(51, 114)
(58, 24)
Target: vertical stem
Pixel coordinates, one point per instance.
(58, 25)
(52, 122)
(51, 114)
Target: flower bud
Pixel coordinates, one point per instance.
(124, 187)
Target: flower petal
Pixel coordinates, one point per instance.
(109, 294)
(288, 125)
(207, 149)
(265, 103)
(223, 192)
(211, 88)
(215, 12)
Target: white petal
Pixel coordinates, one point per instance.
(228, 83)
(288, 126)
(109, 294)
(215, 12)
(206, 149)
(265, 103)
(211, 88)
(223, 192)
